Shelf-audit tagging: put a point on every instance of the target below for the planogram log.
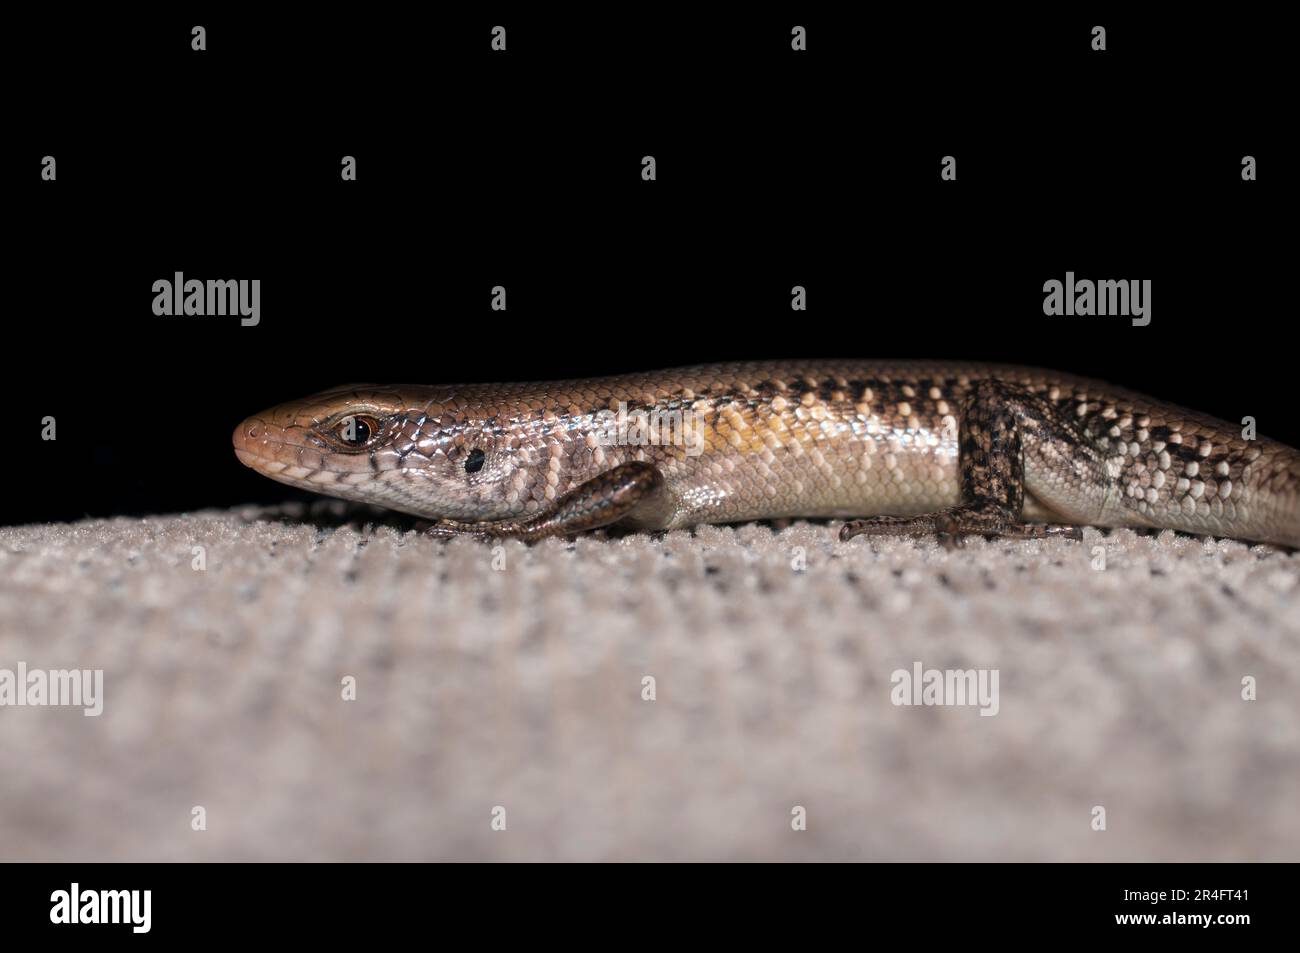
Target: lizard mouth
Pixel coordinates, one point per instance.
(281, 454)
(263, 447)
(292, 455)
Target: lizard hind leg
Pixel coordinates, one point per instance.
(952, 524)
(992, 461)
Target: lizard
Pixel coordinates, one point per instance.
(897, 448)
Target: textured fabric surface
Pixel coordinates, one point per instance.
(513, 678)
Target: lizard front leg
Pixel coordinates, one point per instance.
(1011, 439)
(600, 501)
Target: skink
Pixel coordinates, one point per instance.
(898, 447)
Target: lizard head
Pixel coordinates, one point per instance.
(417, 450)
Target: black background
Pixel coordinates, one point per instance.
(522, 168)
(339, 904)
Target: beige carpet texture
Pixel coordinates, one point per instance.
(313, 683)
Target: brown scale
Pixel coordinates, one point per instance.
(914, 447)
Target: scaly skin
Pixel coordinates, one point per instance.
(950, 448)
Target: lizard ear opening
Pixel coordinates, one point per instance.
(474, 461)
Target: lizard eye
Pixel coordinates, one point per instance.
(474, 462)
(355, 431)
